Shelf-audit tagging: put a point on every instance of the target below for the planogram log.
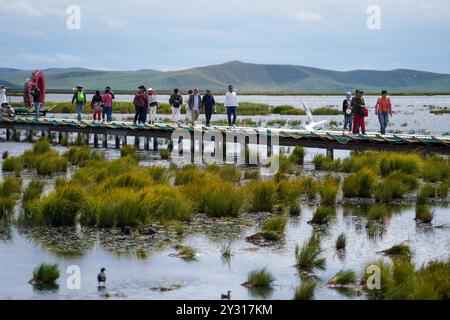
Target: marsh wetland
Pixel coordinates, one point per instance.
(166, 232)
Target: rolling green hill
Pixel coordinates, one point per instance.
(245, 76)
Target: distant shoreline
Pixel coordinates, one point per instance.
(256, 93)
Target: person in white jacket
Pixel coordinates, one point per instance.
(152, 105)
(3, 97)
(231, 105)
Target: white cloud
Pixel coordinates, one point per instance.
(306, 16)
(19, 7)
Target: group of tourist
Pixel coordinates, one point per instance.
(146, 104)
(355, 112)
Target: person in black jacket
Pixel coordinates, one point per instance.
(36, 94)
(96, 105)
(208, 105)
(347, 108)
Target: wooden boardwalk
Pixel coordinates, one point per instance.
(329, 140)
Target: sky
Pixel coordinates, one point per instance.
(178, 34)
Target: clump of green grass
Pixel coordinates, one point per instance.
(42, 146)
(403, 162)
(262, 196)
(33, 191)
(323, 215)
(273, 228)
(426, 192)
(322, 162)
(359, 184)
(402, 281)
(128, 151)
(377, 213)
(227, 172)
(219, 199)
(158, 174)
(10, 186)
(226, 251)
(343, 278)
(436, 168)
(398, 250)
(164, 154)
(286, 165)
(298, 155)
(45, 274)
(259, 278)
(310, 187)
(328, 190)
(186, 252)
(442, 190)
(341, 242)
(305, 291)
(13, 164)
(251, 175)
(308, 257)
(6, 206)
(188, 174)
(79, 156)
(5, 155)
(424, 214)
(326, 111)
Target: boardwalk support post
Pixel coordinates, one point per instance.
(137, 141)
(29, 135)
(105, 141)
(155, 144)
(330, 154)
(95, 140)
(117, 142)
(146, 143)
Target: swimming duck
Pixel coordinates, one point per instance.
(226, 296)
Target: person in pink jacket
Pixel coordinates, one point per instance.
(383, 109)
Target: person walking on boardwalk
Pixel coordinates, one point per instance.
(36, 94)
(96, 105)
(347, 108)
(107, 100)
(231, 105)
(79, 97)
(188, 112)
(194, 105)
(383, 109)
(176, 101)
(208, 105)
(140, 101)
(152, 105)
(359, 108)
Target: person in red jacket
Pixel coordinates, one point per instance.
(140, 103)
(383, 109)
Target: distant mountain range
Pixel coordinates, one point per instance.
(246, 77)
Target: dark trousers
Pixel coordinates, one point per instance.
(231, 111)
(138, 115)
(208, 114)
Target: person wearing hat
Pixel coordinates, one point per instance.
(347, 108)
(140, 102)
(208, 105)
(359, 109)
(79, 97)
(152, 105)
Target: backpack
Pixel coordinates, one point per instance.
(80, 96)
(177, 103)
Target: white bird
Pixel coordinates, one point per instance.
(312, 125)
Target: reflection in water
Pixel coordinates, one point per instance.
(5, 232)
(258, 293)
(64, 242)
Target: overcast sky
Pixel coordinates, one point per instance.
(177, 34)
